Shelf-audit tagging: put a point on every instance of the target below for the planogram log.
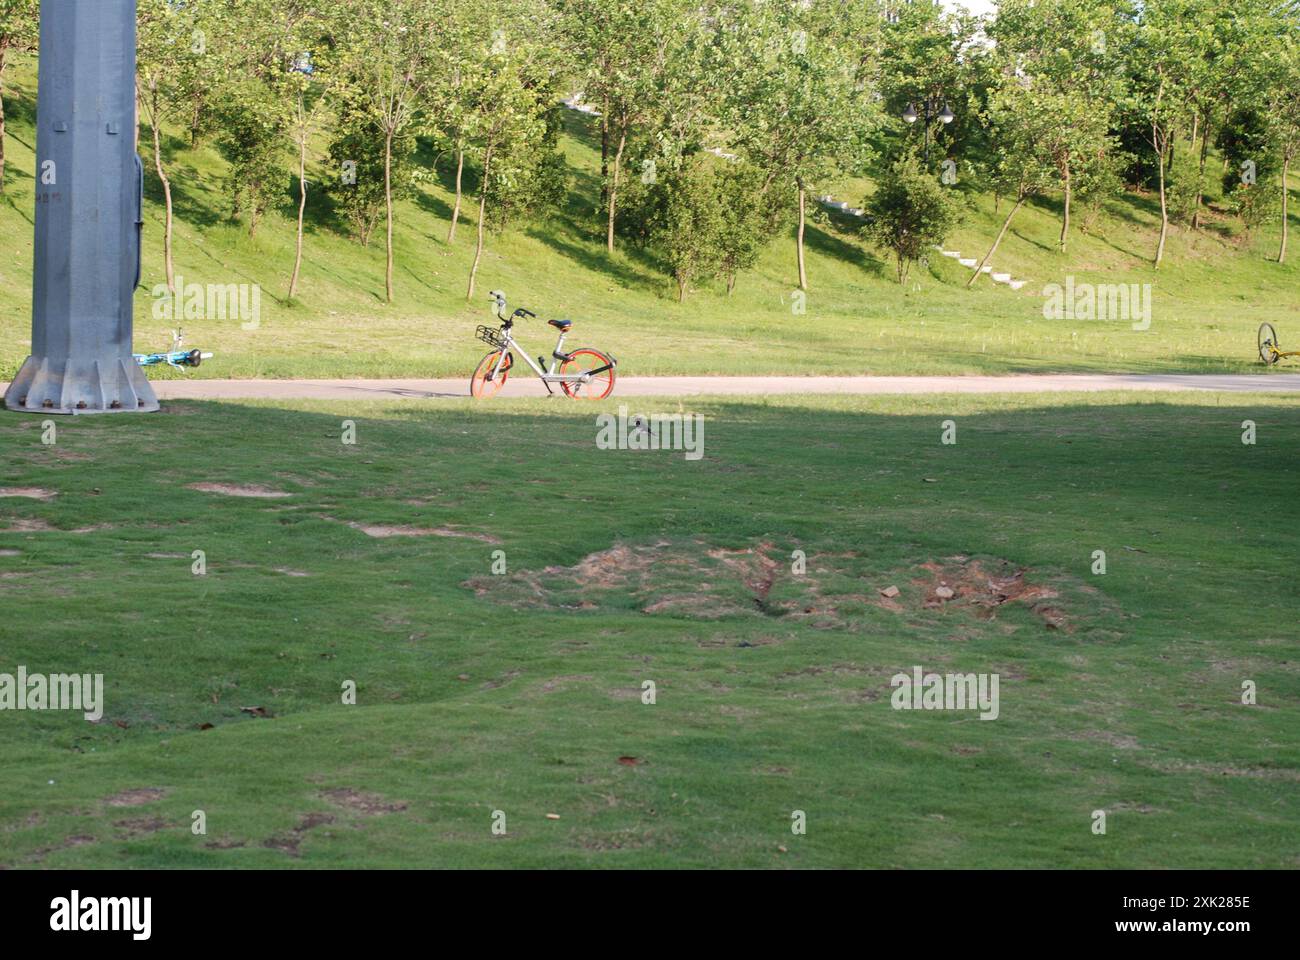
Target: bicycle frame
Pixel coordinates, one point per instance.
(549, 375)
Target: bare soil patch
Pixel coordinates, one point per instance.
(37, 525)
(370, 804)
(136, 798)
(139, 826)
(696, 580)
(253, 490)
(403, 530)
(29, 493)
(289, 842)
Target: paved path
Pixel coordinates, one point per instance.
(743, 386)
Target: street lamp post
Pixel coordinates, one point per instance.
(941, 112)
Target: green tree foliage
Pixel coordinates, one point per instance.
(1025, 127)
(1070, 53)
(795, 107)
(19, 29)
(389, 65)
(168, 60)
(633, 53)
(507, 102)
(910, 212)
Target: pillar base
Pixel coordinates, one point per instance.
(111, 385)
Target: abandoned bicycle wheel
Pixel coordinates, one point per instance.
(601, 384)
(479, 384)
(1268, 349)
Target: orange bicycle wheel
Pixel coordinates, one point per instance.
(479, 384)
(601, 385)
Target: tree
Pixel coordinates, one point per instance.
(506, 123)
(1164, 57)
(795, 105)
(310, 85)
(1283, 109)
(165, 56)
(910, 212)
(1071, 51)
(357, 153)
(388, 52)
(1023, 125)
(19, 31)
(631, 50)
(253, 119)
(688, 226)
(746, 216)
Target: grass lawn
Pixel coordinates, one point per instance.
(1206, 301)
(522, 692)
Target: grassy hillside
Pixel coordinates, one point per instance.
(1208, 299)
(521, 692)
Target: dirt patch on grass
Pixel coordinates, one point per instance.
(290, 842)
(696, 580)
(11, 553)
(225, 843)
(370, 804)
(29, 493)
(983, 587)
(556, 683)
(1229, 770)
(139, 826)
(253, 490)
(37, 525)
(402, 530)
(136, 798)
(1120, 741)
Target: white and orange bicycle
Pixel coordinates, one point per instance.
(583, 373)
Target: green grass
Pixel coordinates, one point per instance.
(1207, 300)
(520, 692)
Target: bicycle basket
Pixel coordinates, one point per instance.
(490, 335)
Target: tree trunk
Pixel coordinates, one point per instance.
(196, 117)
(681, 288)
(3, 55)
(302, 209)
(1281, 251)
(994, 249)
(455, 211)
(155, 122)
(1164, 209)
(803, 273)
(482, 216)
(613, 189)
(731, 281)
(1200, 176)
(388, 208)
(1065, 217)
(604, 151)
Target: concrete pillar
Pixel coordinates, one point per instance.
(88, 218)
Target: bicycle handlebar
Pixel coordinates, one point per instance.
(499, 298)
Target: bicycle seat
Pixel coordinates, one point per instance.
(560, 324)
